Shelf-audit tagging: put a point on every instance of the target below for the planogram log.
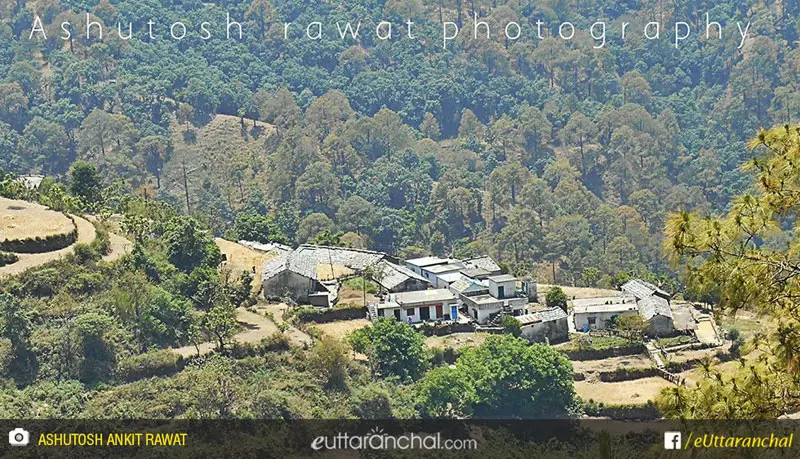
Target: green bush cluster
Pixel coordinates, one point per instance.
(321, 316)
(7, 258)
(155, 363)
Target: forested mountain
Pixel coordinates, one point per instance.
(558, 158)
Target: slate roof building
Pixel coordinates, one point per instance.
(653, 305)
(545, 325)
(484, 263)
(312, 274)
(637, 297)
(595, 313)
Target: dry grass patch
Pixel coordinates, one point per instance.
(456, 340)
(342, 328)
(234, 158)
(638, 391)
(86, 234)
(26, 220)
(576, 293)
(241, 258)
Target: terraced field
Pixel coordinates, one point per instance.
(20, 220)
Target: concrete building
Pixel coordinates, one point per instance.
(441, 276)
(484, 263)
(486, 299)
(485, 296)
(414, 307)
(594, 313)
(417, 264)
(502, 286)
(547, 325)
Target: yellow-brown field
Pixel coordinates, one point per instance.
(21, 220)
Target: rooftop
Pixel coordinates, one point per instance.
(604, 308)
(485, 263)
(641, 289)
(603, 300)
(271, 247)
(475, 273)
(466, 284)
(427, 261)
(422, 296)
(441, 269)
(393, 275)
(545, 315)
(450, 277)
(322, 262)
(502, 278)
(654, 306)
(485, 299)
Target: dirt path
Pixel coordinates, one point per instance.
(86, 234)
(256, 327)
(296, 336)
(119, 247)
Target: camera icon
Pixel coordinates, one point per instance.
(19, 437)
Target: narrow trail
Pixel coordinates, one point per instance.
(256, 327)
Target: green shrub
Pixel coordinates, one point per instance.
(85, 253)
(42, 282)
(155, 363)
(512, 326)
(357, 283)
(102, 242)
(86, 282)
(8, 258)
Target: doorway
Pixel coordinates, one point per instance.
(425, 313)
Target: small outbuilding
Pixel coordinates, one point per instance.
(547, 325)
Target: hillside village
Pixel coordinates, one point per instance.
(465, 299)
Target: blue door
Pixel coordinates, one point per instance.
(454, 312)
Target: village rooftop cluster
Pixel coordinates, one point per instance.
(451, 291)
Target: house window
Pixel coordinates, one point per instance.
(411, 311)
(380, 312)
(592, 321)
(397, 314)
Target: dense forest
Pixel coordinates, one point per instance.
(561, 160)
(557, 158)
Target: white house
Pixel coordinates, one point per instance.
(441, 276)
(594, 313)
(502, 286)
(417, 264)
(413, 307)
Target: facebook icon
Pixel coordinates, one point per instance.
(672, 440)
